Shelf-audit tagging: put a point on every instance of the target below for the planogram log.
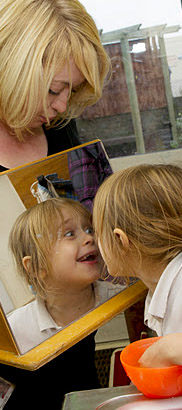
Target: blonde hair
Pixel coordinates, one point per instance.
(38, 37)
(146, 203)
(34, 234)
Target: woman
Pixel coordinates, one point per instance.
(52, 66)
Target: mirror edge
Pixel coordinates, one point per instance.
(76, 331)
(28, 164)
(7, 340)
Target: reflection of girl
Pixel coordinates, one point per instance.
(53, 65)
(54, 249)
(138, 222)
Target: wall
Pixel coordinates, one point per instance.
(166, 157)
(11, 208)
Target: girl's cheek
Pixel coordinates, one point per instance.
(100, 249)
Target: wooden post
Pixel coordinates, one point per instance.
(130, 80)
(168, 90)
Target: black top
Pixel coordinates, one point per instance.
(59, 139)
(73, 370)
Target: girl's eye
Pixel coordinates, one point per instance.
(69, 234)
(73, 91)
(89, 231)
(53, 92)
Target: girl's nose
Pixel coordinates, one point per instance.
(88, 238)
(60, 101)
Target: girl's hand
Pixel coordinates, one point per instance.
(165, 352)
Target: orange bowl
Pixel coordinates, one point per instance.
(152, 382)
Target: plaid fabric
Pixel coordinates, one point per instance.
(88, 167)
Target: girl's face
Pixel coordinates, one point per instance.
(126, 265)
(59, 93)
(75, 257)
(109, 268)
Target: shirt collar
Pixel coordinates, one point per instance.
(45, 320)
(156, 303)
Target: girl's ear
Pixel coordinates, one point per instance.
(26, 262)
(123, 237)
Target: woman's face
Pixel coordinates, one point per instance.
(59, 93)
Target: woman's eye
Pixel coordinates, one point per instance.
(89, 231)
(53, 92)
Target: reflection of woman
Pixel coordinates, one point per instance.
(52, 66)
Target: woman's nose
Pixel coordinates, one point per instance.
(60, 101)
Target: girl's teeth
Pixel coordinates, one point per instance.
(87, 257)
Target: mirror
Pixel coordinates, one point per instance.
(23, 188)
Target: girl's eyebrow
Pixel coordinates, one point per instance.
(61, 81)
(67, 220)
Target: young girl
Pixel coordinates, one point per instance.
(138, 222)
(54, 249)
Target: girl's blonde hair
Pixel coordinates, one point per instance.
(34, 234)
(144, 201)
(37, 39)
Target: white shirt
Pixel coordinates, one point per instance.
(163, 309)
(32, 324)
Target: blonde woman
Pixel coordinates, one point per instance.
(52, 65)
(138, 223)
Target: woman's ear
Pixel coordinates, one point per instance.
(26, 262)
(123, 237)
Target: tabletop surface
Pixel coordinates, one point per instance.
(124, 397)
(90, 399)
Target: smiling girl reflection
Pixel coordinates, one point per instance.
(57, 255)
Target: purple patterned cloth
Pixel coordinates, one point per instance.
(88, 167)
